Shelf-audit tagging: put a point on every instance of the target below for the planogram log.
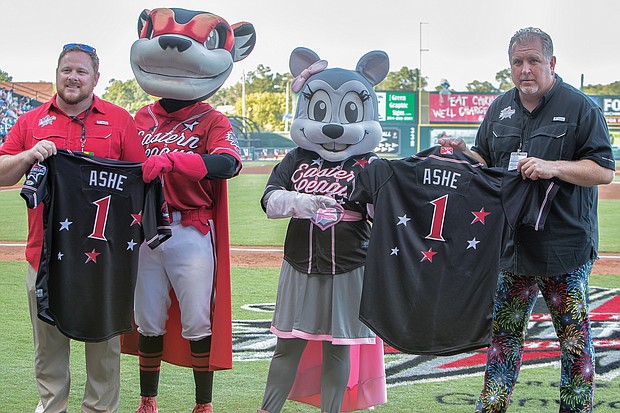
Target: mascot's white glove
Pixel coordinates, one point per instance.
(284, 204)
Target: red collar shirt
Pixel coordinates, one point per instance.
(104, 130)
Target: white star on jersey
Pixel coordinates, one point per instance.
(190, 126)
(65, 224)
(472, 243)
(395, 251)
(60, 255)
(403, 220)
(131, 244)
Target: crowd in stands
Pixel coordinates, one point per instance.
(11, 107)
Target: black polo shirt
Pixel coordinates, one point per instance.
(566, 125)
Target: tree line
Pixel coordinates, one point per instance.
(266, 92)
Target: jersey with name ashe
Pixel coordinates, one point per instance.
(96, 214)
(433, 258)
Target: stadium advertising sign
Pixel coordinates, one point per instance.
(459, 107)
(390, 139)
(396, 106)
(611, 110)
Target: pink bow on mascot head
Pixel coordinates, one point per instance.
(300, 80)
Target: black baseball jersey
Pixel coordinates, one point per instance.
(436, 240)
(97, 213)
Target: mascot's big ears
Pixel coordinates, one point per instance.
(374, 65)
(337, 113)
(187, 55)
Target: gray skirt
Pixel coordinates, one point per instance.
(320, 307)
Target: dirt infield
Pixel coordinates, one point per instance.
(272, 256)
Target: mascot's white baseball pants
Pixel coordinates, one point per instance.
(185, 262)
(51, 365)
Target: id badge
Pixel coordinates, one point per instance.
(515, 157)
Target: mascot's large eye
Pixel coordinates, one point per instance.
(351, 108)
(213, 41)
(320, 107)
(146, 28)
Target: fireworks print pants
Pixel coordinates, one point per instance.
(567, 299)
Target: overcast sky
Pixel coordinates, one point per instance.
(466, 40)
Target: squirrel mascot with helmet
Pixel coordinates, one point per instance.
(324, 355)
(183, 297)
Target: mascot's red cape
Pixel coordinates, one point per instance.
(186, 56)
(176, 348)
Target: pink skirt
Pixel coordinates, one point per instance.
(318, 307)
(326, 308)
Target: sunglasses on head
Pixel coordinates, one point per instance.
(83, 47)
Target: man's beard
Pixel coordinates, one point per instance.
(73, 99)
(529, 90)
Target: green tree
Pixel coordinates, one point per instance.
(265, 108)
(504, 78)
(259, 80)
(5, 77)
(259, 83)
(481, 87)
(226, 96)
(127, 94)
(256, 81)
(609, 89)
(405, 79)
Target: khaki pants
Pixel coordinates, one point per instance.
(51, 366)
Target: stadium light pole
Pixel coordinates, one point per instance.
(287, 110)
(422, 49)
(243, 113)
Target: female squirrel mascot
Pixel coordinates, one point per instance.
(184, 57)
(324, 355)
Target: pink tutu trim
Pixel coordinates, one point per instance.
(322, 337)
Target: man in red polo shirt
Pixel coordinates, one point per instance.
(75, 119)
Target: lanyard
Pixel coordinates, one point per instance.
(81, 120)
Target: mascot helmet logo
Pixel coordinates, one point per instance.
(337, 114)
(187, 55)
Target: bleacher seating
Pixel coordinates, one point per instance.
(12, 105)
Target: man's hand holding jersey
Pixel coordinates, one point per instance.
(285, 204)
(41, 151)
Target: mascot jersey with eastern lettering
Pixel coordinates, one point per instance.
(341, 247)
(96, 213)
(436, 240)
(195, 129)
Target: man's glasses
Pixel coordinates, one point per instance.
(83, 47)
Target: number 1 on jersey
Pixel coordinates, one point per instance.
(101, 218)
(439, 215)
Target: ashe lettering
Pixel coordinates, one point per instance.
(107, 179)
(441, 177)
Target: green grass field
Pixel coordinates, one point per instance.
(240, 389)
